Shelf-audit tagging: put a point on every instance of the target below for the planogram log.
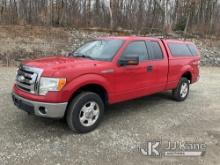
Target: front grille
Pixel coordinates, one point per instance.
(27, 78)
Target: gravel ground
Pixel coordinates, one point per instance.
(31, 140)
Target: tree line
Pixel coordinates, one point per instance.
(194, 16)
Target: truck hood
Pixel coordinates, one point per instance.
(53, 61)
(58, 66)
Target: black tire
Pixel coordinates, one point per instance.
(176, 93)
(74, 110)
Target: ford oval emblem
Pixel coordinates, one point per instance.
(21, 78)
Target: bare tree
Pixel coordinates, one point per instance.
(139, 15)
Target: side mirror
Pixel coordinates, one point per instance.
(129, 61)
(70, 54)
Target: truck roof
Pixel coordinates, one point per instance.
(143, 38)
(128, 37)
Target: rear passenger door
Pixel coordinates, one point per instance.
(157, 66)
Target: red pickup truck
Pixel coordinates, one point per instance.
(104, 71)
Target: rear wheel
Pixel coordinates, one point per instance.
(182, 90)
(85, 112)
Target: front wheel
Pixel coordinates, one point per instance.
(182, 90)
(85, 112)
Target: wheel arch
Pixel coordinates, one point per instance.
(89, 82)
(188, 75)
(91, 87)
(187, 72)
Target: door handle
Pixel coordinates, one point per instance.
(149, 68)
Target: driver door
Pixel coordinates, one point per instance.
(132, 80)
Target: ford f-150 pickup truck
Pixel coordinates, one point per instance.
(104, 71)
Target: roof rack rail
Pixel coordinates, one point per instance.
(166, 36)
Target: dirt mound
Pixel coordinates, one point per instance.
(29, 42)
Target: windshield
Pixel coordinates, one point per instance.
(99, 49)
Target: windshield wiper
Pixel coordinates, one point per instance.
(76, 54)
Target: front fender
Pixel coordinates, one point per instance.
(87, 79)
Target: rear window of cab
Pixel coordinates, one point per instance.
(182, 49)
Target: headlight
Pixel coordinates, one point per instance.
(51, 84)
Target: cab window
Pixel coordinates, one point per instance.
(136, 48)
(154, 49)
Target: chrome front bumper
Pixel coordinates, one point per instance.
(48, 110)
